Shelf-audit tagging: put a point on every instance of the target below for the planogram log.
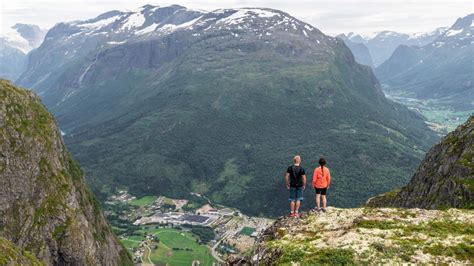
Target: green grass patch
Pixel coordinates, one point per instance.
(247, 231)
(441, 228)
(143, 201)
(379, 224)
(130, 244)
(176, 247)
(461, 251)
(328, 256)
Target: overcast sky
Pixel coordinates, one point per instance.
(330, 16)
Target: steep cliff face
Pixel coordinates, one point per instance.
(45, 206)
(445, 178)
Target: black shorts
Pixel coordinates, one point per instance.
(321, 191)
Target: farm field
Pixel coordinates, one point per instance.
(247, 231)
(143, 201)
(175, 247)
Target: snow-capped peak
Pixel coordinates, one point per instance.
(117, 25)
(23, 37)
(240, 14)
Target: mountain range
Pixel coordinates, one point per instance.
(169, 100)
(442, 70)
(382, 44)
(14, 45)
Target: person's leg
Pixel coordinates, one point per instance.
(318, 200)
(323, 195)
(299, 199)
(292, 200)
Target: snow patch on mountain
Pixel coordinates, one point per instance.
(98, 24)
(453, 32)
(308, 27)
(16, 41)
(116, 42)
(147, 29)
(15, 37)
(135, 20)
(241, 14)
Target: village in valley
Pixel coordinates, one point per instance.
(158, 230)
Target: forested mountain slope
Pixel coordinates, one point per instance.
(218, 103)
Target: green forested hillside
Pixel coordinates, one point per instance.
(220, 109)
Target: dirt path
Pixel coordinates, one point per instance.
(148, 255)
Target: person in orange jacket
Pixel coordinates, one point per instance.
(321, 182)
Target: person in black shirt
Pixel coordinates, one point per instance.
(295, 179)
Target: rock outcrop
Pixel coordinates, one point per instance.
(444, 179)
(45, 207)
(370, 236)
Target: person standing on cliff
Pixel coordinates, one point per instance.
(321, 182)
(295, 179)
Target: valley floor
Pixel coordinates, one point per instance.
(371, 235)
(439, 117)
(161, 231)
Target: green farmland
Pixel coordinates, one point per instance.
(169, 240)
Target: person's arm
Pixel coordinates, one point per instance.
(304, 182)
(328, 178)
(287, 180)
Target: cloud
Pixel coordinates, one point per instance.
(330, 16)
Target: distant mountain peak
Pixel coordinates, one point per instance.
(382, 44)
(464, 22)
(24, 37)
(119, 25)
(459, 35)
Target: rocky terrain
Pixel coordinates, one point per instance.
(12, 255)
(444, 179)
(370, 235)
(46, 210)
